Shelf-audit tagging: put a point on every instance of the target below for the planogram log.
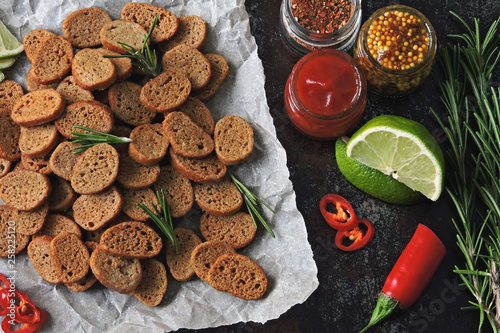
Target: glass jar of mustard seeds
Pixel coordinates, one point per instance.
(396, 48)
(307, 25)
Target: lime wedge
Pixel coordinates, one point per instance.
(9, 45)
(2, 76)
(374, 182)
(6, 63)
(403, 149)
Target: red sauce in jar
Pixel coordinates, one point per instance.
(325, 95)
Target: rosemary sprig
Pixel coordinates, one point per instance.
(145, 58)
(252, 203)
(472, 128)
(162, 217)
(87, 140)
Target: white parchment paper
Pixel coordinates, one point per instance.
(287, 259)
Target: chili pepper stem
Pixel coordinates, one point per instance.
(384, 308)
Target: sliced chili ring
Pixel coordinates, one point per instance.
(26, 311)
(4, 279)
(356, 236)
(26, 328)
(344, 218)
(4, 302)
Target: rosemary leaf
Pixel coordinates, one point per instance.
(87, 140)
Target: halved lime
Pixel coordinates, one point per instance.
(6, 63)
(9, 45)
(374, 182)
(403, 149)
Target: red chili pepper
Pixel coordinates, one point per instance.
(26, 312)
(26, 328)
(4, 301)
(344, 219)
(357, 237)
(3, 278)
(411, 274)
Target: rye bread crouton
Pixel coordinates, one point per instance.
(37, 164)
(178, 190)
(38, 107)
(7, 223)
(62, 195)
(237, 230)
(29, 223)
(9, 137)
(166, 92)
(5, 166)
(238, 275)
(125, 103)
(144, 14)
(70, 257)
(94, 211)
(153, 284)
(123, 66)
(192, 31)
(180, 263)
(62, 160)
(37, 141)
(56, 224)
(10, 92)
(82, 27)
(32, 85)
(126, 32)
(218, 198)
(90, 114)
(205, 255)
(191, 62)
(52, 60)
(149, 144)
(32, 41)
(131, 240)
(201, 170)
(71, 92)
(92, 71)
(144, 196)
(134, 176)
(120, 274)
(24, 190)
(233, 137)
(96, 169)
(39, 254)
(219, 69)
(186, 137)
(89, 279)
(199, 113)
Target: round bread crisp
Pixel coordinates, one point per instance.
(62, 195)
(191, 62)
(9, 137)
(131, 240)
(7, 224)
(199, 113)
(56, 224)
(90, 114)
(133, 175)
(153, 284)
(123, 66)
(125, 103)
(10, 92)
(29, 223)
(82, 27)
(5, 166)
(39, 140)
(133, 197)
(92, 71)
(149, 144)
(38, 107)
(144, 14)
(32, 85)
(192, 32)
(32, 41)
(205, 255)
(62, 160)
(94, 211)
(178, 190)
(237, 230)
(89, 279)
(118, 31)
(186, 137)
(238, 275)
(70, 257)
(166, 92)
(52, 60)
(233, 137)
(201, 170)
(71, 92)
(120, 274)
(95, 235)
(218, 198)
(96, 169)
(24, 190)
(39, 254)
(180, 263)
(218, 73)
(38, 164)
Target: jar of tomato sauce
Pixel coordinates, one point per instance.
(325, 94)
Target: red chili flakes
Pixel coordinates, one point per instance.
(322, 16)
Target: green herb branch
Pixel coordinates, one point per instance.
(472, 128)
(145, 58)
(162, 217)
(252, 203)
(87, 140)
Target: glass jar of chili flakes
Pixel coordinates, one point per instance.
(307, 25)
(396, 48)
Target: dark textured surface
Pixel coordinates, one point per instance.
(349, 282)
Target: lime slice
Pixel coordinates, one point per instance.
(6, 63)
(2, 76)
(9, 45)
(403, 149)
(374, 182)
